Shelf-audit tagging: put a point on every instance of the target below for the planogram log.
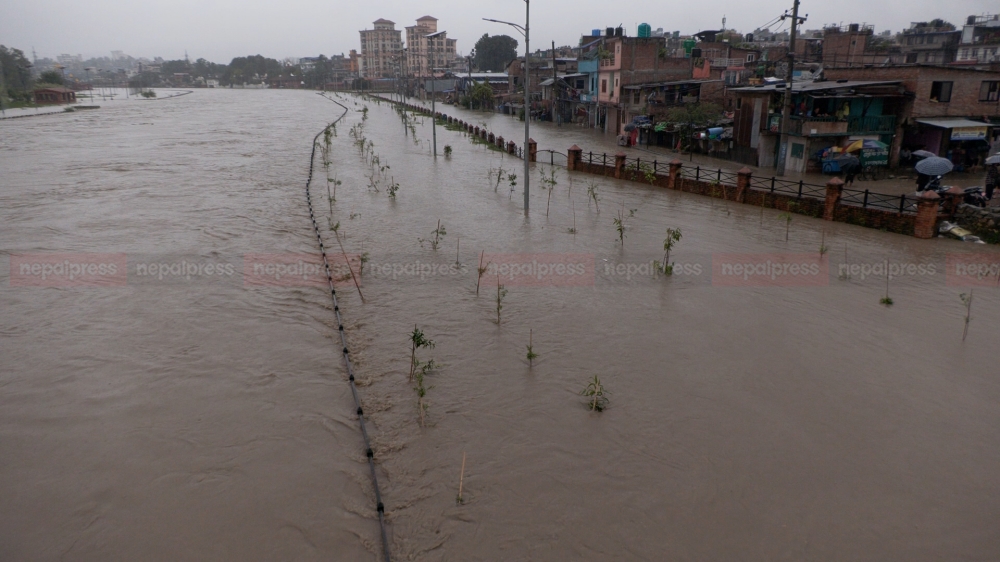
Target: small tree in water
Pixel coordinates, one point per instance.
(597, 395)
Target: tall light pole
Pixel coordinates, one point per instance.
(430, 67)
(527, 92)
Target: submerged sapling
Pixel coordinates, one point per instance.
(597, 395)
(967, 301)
(417, 341)
(501, 293)
(531, 352)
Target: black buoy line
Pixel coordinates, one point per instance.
(379, 506)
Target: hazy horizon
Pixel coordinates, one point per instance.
(220, 30)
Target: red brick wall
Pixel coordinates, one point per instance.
(641, 62)
(918, 79)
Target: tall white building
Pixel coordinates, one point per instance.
(379, 46)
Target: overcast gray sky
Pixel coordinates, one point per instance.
(219, 30)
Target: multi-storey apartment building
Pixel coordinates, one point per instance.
(379, 47)
(427, 48)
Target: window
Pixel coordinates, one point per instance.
(635, 97)
(989, 91)
(941, 91)
(604, 86)
(751, 57)
(739, 103)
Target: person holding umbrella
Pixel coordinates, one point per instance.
(930, 168)
(992, 175)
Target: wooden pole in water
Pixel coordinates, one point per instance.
(461, 479)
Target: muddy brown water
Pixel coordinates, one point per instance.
(204, 419)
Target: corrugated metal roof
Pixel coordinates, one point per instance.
(661, 84)
(952, 123)
(817, 86)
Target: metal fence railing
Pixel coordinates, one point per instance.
(799, 189)
(552, 157)
(869, 200)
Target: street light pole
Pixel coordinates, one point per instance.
(527, 93)
(430, 67)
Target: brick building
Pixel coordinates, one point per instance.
(628, 61)
(826, 113)
(54, 96)
(950, 107)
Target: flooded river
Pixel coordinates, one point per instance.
(206, 416)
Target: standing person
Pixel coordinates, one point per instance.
(850, 171)
(922, 181)
(992, 180)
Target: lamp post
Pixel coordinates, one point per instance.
(468, 85)
(527, 92)
(430, 68)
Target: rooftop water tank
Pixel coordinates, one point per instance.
(619, 32)
(595, 33)
(645, 30)
(609, 32)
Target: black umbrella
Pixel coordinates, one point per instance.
(934, 166)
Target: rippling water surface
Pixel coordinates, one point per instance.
(209, 418)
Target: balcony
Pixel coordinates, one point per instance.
(830, 126)
(727, 63)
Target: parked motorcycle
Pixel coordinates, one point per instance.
(972, 195)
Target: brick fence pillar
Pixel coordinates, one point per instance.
(953, 199)
(834, 189)
(532, 150)
(743, 184)
(927, 215)
(476, 131)
(573, 157)
(511, 147)
(491, 138)
(674, 175)
(501, 143)
(619, 165)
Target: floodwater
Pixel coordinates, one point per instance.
(206, 418)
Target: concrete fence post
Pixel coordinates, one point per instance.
(674, 175)
(619, 165)
(743, 184)
(573, 157)
(927, 215)
(834, 190)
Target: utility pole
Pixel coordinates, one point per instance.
(786, 113)
(555, 86)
